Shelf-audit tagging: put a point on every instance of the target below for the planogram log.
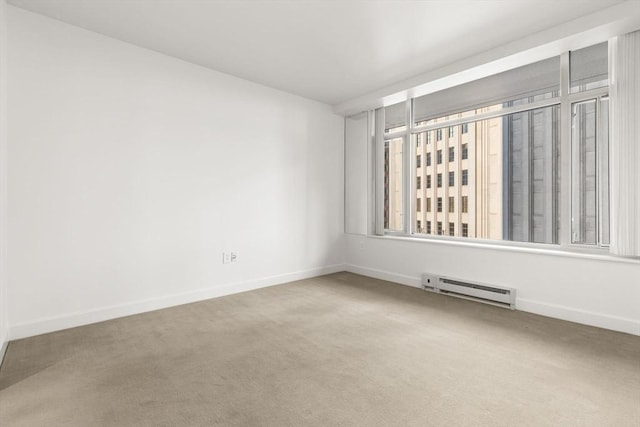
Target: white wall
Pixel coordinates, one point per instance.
(592, 290)
(4, 337)
(131, 172)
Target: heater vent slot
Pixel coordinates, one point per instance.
(481, 292)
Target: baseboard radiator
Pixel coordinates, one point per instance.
(495, 295)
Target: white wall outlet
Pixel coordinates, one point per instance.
(429, 281)
(234, 256)
(226, 257)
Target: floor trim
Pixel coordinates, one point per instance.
(71, 320)
(570, 314)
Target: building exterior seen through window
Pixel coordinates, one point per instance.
(505, 182)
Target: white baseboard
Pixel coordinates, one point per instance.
(570, 314)
(71, 320)
(384, 275)
(606, 321)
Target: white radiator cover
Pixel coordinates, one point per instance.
(489, 294)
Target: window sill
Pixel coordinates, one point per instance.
(532, 248)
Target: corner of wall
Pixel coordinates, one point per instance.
(4, 338)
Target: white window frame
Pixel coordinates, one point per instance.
(565, 100)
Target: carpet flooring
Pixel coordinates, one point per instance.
(336, 350)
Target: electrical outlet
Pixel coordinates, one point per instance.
(226, 257)
(234, 256)
(429, 281)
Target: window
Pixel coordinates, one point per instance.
(452, 229)
(419, 204)
(589, 206)
(393, 191)
(428, 227)
(419, 226)
(418, 182)
(512, 162)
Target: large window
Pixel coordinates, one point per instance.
(515, 179)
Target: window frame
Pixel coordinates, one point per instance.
(564, 99)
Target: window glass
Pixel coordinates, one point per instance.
(508, 166)
(393, 189)
(590, 172)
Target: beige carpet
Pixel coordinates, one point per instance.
(338, 350)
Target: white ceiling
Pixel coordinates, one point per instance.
(330, 51)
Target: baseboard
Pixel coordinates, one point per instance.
(384, 275)
(570, 314)
(72, 320)
(606, 321)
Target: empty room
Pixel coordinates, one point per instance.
(320, 213)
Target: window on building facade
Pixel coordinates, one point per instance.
(418, 182)
(510, 167)
(419, 204)
(452, 229)
(428, 227)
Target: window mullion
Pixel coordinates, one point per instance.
(409, 175)
(379, 168)
(565, 172)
